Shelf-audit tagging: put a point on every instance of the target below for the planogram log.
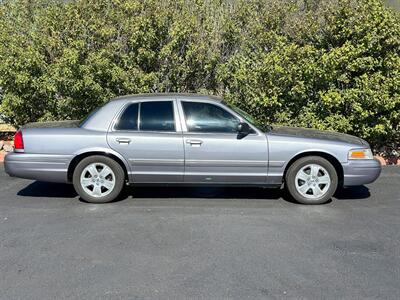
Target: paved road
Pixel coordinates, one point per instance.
(179, 243)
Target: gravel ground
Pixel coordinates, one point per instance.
(184, 243)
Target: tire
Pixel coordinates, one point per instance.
(311, 180)
(98, 179)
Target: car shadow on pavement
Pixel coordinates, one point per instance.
(352, 193)
(60, 190)
(205, 192)
(48, 189)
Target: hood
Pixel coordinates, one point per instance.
(318, 134)
(55, 124)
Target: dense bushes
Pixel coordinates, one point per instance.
(323, 64)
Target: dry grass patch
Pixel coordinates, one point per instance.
(5, 127)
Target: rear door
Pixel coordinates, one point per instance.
(214, 153)
(148, 134)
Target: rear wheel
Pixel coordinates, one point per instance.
(311, 180)
(98, 179)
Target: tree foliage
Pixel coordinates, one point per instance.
(313, 63)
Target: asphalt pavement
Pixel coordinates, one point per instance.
(199, 243)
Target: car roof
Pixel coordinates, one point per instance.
(154, 96)
(100, 120)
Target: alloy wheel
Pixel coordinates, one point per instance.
(312, 181)
(97, 179)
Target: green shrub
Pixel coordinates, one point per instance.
(325, 64)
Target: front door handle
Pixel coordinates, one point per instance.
(194, 142)
(123, 140)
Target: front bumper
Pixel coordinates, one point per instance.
(43, 167)
(359, 172)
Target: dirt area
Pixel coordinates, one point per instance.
(5, 127)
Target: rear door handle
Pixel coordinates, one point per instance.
(194, 142)
(123, 140)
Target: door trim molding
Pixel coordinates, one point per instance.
(156, 162)
(226, 163)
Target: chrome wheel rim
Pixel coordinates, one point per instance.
(98, 180)
(312, 181)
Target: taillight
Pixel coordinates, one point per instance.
(18, 142)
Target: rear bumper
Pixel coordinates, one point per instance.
(43, 167)
(359, 172)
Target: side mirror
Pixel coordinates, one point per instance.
(243, 130)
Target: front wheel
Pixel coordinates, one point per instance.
(311, 180)
(98, 179)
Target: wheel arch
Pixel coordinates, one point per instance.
(75, 161)
(329, 157)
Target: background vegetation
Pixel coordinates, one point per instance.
(331, 64)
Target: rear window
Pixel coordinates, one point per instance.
(85, 120)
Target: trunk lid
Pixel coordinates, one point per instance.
(54, 124)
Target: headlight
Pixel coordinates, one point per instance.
(361, 154)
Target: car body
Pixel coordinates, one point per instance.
(185, 139)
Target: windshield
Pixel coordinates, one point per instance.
(248, 118)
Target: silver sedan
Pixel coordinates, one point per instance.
(186, 139)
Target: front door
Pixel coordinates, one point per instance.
(148, 135)
(214, 153)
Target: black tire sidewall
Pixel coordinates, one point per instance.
(115, 167)
(297, 165)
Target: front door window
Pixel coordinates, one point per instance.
(208, 118)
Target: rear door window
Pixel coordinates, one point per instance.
(157, 116)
